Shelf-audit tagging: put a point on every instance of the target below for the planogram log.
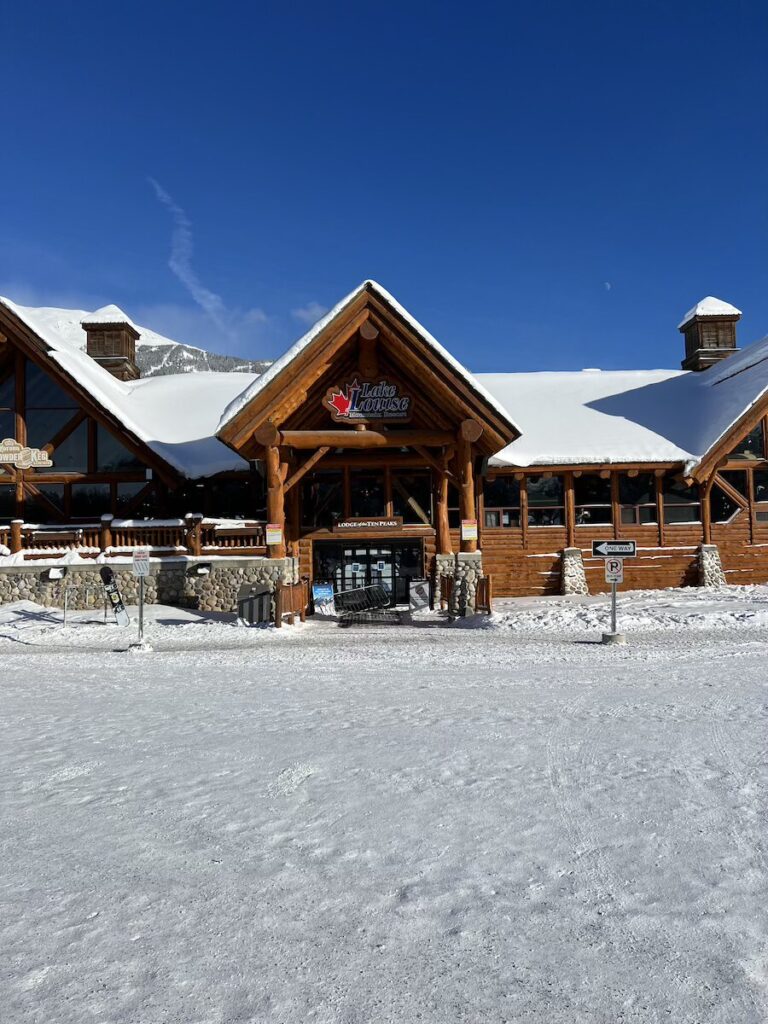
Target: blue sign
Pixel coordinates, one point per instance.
(322, 598)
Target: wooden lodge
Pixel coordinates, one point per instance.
(367, 453)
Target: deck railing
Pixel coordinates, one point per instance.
(192, 535)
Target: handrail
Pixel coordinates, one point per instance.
(192, 535)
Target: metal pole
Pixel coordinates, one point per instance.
(141, 609)
(613, 607)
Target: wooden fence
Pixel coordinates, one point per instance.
(192, 535)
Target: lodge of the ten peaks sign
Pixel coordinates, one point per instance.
(363, 401)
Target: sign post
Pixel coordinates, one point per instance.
(614, 552)
(141, 570)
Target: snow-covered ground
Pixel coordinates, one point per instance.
(416, 823)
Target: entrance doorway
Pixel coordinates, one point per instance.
(391, 565)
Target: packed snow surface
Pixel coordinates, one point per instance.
(416, 823)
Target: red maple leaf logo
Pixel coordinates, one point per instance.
(340, 402)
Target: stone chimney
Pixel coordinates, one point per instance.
(710, 333)
(112, 341)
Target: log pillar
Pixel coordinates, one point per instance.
(275, 497)
(443, 526)
(466, 487)
(16, 525)
(105, 532)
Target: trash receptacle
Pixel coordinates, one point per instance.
(254, 604)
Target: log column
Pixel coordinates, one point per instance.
(469, 431)
(275, 497)
(443, 527)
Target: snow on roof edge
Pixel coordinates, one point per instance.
(306, 339)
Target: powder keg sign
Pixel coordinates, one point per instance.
(366, 401)
(14, 454)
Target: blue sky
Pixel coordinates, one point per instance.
(543, 185)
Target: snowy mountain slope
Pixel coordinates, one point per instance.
(156, 355)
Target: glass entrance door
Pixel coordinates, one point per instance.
(391, 565)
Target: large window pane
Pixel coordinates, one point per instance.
(71, 456)
(592, 496)
(322, 499)
(90, 501)
(7, 425)
(760, 481)
(501, 497)
(368, 495)
(737, 478)
(7, 391)
(42, 392)
(111, 456)
(722, 508)
(545, 501)
(681, 503)
(37, 511)
(44, 424)
(412, 497)
(752, 447)
(126, 492)
(7, 502)
(637, 497)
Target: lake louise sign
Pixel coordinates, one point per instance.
(14, 454)
(362, 401)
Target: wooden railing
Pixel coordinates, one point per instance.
(291, 599)
(192, 535)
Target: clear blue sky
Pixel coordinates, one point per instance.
(544, 185)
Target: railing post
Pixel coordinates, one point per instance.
(16, 525)
(105, 533)
(193, 521)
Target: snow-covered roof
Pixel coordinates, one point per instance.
(628, 415)
(175, 415)
(108, 315)
(280, 364)
(585, 417)
(709, 306)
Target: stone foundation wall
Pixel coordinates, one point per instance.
(574, 577)
(171, 581)
(465, 567)
(710, 567)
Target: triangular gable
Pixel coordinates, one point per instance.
(98, 393)
(405, 343)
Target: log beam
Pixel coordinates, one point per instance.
(306, 439)
(305, 468)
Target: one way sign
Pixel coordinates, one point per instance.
(614, 548)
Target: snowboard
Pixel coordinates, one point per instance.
(113, 595)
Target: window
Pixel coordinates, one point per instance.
(322, 499)
(737, 478)
(592, 495)
(90, 501)
(545, 501)
(501, 496)
(752, 447)
(7, 502)
(367, 495)
(126, 492)
(37, 507)
(412, 497)
(722, 507)
(7, 404)
(111, 456)
(454, 507)
(681, 503)
(760, 482)
(42, 392)
(637, 497)
(71, 456)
